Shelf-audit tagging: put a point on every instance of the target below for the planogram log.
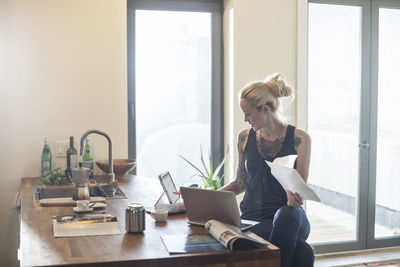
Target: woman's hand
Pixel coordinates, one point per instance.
(192, 185)
(294, 199)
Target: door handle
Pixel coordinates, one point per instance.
(364, 144)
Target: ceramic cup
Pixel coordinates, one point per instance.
(82, 204)
(159, 215)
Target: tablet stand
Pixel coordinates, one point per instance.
(163, 204)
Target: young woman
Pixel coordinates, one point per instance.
(283, 221)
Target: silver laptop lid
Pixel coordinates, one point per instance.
(202, 205)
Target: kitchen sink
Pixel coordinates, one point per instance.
(98, 190)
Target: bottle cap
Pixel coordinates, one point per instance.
(46, 140)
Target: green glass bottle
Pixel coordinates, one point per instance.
(72, 156)
(46, 158)
(87, 158)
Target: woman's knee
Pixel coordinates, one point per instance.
(287, 214)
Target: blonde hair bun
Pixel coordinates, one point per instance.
(258, 94)
(276, 82)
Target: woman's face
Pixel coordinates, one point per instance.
(255, 117)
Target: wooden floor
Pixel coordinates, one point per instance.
(332, 225)
(388, 257)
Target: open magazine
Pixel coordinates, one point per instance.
(232, 237)
(221, 237)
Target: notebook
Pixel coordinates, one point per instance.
(203, 205)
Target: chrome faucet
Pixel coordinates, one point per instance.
(110, 174)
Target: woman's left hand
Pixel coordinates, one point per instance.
(294, 199)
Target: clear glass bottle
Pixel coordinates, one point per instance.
(46, 158)
(87, 158)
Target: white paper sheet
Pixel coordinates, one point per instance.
(85, 225)
(289, 178)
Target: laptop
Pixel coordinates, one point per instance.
(203, 205)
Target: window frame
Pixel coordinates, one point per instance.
(215, 7)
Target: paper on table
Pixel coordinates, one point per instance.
(85, 225)
(289, 178)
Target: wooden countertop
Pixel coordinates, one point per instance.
(38, 247)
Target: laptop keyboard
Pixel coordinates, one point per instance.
(246, 225)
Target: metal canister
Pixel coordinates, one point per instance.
(135, 218)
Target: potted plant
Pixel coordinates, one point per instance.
(209, 175)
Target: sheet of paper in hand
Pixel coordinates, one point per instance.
(289, 178)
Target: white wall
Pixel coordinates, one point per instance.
(65, 73)
(2, 63)
(264, 37)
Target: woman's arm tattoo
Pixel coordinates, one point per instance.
(239, 184)
(241, 173)
(297, 140)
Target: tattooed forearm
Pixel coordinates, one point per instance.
(238, 185)
(233, 187)
(241, 170)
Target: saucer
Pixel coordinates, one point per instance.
(82, 211)
(99, 205)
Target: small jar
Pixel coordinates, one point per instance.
(135, 218)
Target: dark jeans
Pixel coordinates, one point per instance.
(289, 231)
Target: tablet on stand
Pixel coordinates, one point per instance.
(173, 204)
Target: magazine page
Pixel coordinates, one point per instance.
(232, 237)
(178, 244)
(222, 232)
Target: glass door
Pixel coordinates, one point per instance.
(335, 92)
(353, 90)
(385, 188)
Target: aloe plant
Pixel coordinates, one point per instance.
(209, 176)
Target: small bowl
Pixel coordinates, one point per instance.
(120, 166)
